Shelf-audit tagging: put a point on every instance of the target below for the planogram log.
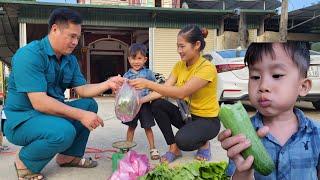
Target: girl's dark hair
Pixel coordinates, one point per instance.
(62, 16)
(297, 51)
(136, 48)
(192, 33)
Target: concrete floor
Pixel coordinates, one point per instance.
(104, 137)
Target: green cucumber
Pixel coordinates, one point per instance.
(236, 118)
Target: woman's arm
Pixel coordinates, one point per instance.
(154, 95)
(168, 89)
(150, 97)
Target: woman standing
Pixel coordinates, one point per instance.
(193, 79)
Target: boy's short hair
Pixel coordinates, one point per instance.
(136, 48)
(297, 51)
(62, 16)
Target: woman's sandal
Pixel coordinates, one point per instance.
(169, 157)
(26, 174)
(81, 163)
(154, 154)
(204, 154)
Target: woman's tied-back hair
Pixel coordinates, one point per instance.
(136, 48)
(297, 51)
(192, 33)
(63, 16)
(208, 57)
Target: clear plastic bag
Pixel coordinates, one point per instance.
(127, 103)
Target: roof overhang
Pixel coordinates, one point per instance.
(13, 12)
(38, 12)
(305, 19)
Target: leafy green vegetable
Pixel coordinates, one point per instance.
(196, 170)
(161, 172)
(123, 105)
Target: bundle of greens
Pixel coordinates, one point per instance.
(124, 104)
(196, 170)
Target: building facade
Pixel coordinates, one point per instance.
(109, 29)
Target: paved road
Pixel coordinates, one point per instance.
(114, 131)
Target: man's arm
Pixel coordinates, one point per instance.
(48, 105)
(91, 90)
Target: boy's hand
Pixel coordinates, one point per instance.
(139, 83)
(235, 145)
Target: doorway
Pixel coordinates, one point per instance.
(104, 66)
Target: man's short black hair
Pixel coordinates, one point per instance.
(296, 50)
(63, 16)
(136, 48)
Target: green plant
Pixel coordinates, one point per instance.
(196, 170)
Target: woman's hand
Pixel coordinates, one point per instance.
(143, 100)
(235, 145)
(140, 83)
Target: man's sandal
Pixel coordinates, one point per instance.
(154, 154)
(204, 154)
(169, 157)
(81, 163)
(26, 174)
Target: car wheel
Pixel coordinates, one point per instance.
(316, 104)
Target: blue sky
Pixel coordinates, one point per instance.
(297, 4)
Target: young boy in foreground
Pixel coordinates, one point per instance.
(277, 77)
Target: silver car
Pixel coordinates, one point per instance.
(233, 76)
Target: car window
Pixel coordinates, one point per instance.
(242, 53)
(314, 53)
(232, 53)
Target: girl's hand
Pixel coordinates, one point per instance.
(139, 83)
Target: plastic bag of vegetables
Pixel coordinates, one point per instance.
(127, 103)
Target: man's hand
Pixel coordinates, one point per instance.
(115, 82)
(91, 120)
(235, 145)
